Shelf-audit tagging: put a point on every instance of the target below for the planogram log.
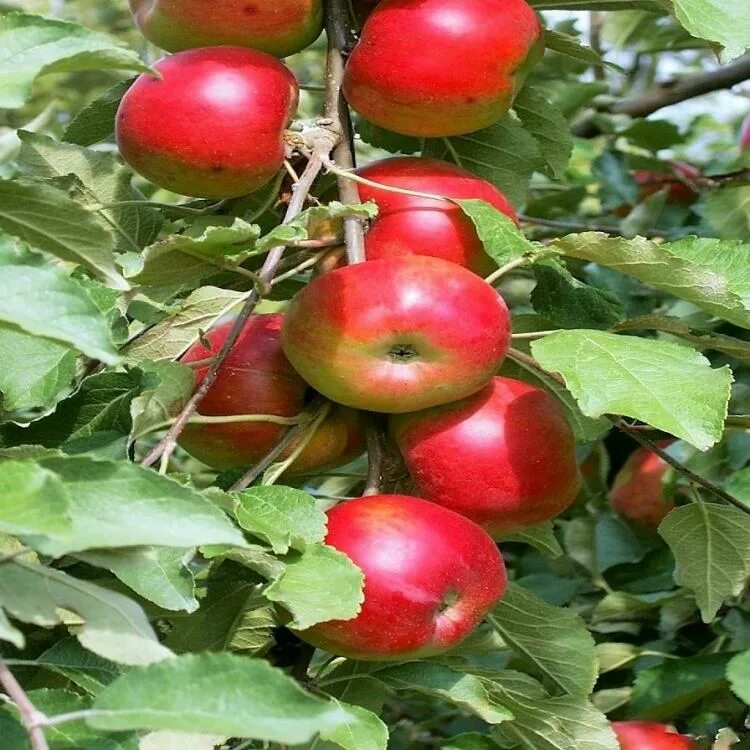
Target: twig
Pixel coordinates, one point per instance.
(166, 446)
(578, 227)
(376, 456)
(636, 434)
(337, 30)
(292, 272)
(31, 718)
(672, 92)
(515, 263)
(302, 663)
(284, 442)
(534, 334)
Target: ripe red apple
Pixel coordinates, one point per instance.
(677, 190)
(638, 492)
(430, 578)
(212, 126)
(745, 134)
(432, 68)
(504, 457)
(648, 735)
(409, 225)
(256, 378)
(281, 27)
(397, 335)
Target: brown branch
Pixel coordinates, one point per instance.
(637, 435)
(166, 446)
(31, 717)
(338, 30)
(376, 455)
(671, 92)
(285, 441)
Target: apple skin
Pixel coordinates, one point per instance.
(745, 134)
(256, 378)
(433, 68)
(648, 735)
(397, 335)
(409, 225)
(678, 192)
(431, 576)
(212, 126)
(637, 492)
(504, 457)
(280, 28)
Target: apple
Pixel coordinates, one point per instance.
(256, 378)
(649, 735)
(212, 125)
(431, 576)
(677, 190)
(407, 224)
(397, 335)
(433, 68)
(745, 134)
(281, 27)
(504, 457)
(638, 492)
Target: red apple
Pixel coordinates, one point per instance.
(638, 492)
(212, 126)
(430, 578)
(409, 225)
(281, 27)
(397, 335)
(504, 457)
(256, 378)
(648, 735)
(678, 191)
(745, 134)
(432, 68)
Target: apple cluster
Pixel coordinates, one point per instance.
(414, 332)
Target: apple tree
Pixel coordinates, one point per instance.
(374, 374)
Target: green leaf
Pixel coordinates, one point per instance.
(727, 210)
(504, 154)
(668, 386)
(47, 218)
(170, 339)
(74, 735)
(101, 407)
(120, 504)
(215, 694)
(36, 373)
(96, 121)
(541, 537)
(100, 179)
(33, 46)
(569, 303)
(363, 730)
(711, 544)
(554, 641)
(282, 516)
(726, 22)
(112, 625)
(62, 310)
(662, 692)
(318, 585)
(502, 239)
(80, 666)
(712, 274)
(548, 125)
(9, 633)
(571, 46)
(159, 574)
(33, 501)
(544, 723)
(466, 691)
(168, 386)
(738, 674)
(188, 258)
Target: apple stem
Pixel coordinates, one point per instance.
(375, 456)
(166, 446)
(339, 33)
(515, 263)
(529, 363)
(31, 718)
